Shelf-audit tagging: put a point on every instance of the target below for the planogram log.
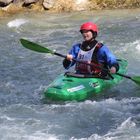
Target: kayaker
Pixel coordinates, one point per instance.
(92, 52)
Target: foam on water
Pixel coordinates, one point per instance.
(127, 128)
(137, 43)
(16, 23)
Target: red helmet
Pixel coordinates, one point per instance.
(89, 26)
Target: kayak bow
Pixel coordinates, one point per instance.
(79, 87)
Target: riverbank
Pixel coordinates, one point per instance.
(16, 6)
(24, 75)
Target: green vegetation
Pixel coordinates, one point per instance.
(114, 4)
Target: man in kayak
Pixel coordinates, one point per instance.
(92, 52)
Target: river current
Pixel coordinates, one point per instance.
(24, 74)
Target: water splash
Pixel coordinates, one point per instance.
(16, 23)
(137, 43)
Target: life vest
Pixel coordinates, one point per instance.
(89, 56)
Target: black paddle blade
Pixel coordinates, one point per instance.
(35, 47)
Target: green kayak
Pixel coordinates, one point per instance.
(70, 86)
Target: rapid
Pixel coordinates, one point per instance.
(24, 74)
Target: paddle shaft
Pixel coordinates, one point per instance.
(126, 76)
(136, 80)
(64, 56)
(38, 48)
(76, 60)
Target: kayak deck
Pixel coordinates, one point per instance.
(68, 87)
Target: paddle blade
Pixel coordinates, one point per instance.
(136, 79)
(35, 47)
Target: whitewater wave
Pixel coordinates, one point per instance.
(16, 23)
(137, 43)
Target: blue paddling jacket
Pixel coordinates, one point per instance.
(101, 55)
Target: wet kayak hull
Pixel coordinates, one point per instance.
(68, 87)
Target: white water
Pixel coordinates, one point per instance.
(16, 23)
(24, 74)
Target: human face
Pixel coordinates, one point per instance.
(87, 35)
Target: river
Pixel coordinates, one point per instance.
(24, 74)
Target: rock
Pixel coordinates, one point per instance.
(67, 5)
(30, 1)
(81, 4)
(18, 3)
(12, 8)
(48, 4)
(5, 2)
(37, 7)
(2, 13)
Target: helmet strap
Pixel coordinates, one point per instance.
(94, 34)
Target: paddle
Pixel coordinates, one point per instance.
(38, 48)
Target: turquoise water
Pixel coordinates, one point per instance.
(24, 74)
